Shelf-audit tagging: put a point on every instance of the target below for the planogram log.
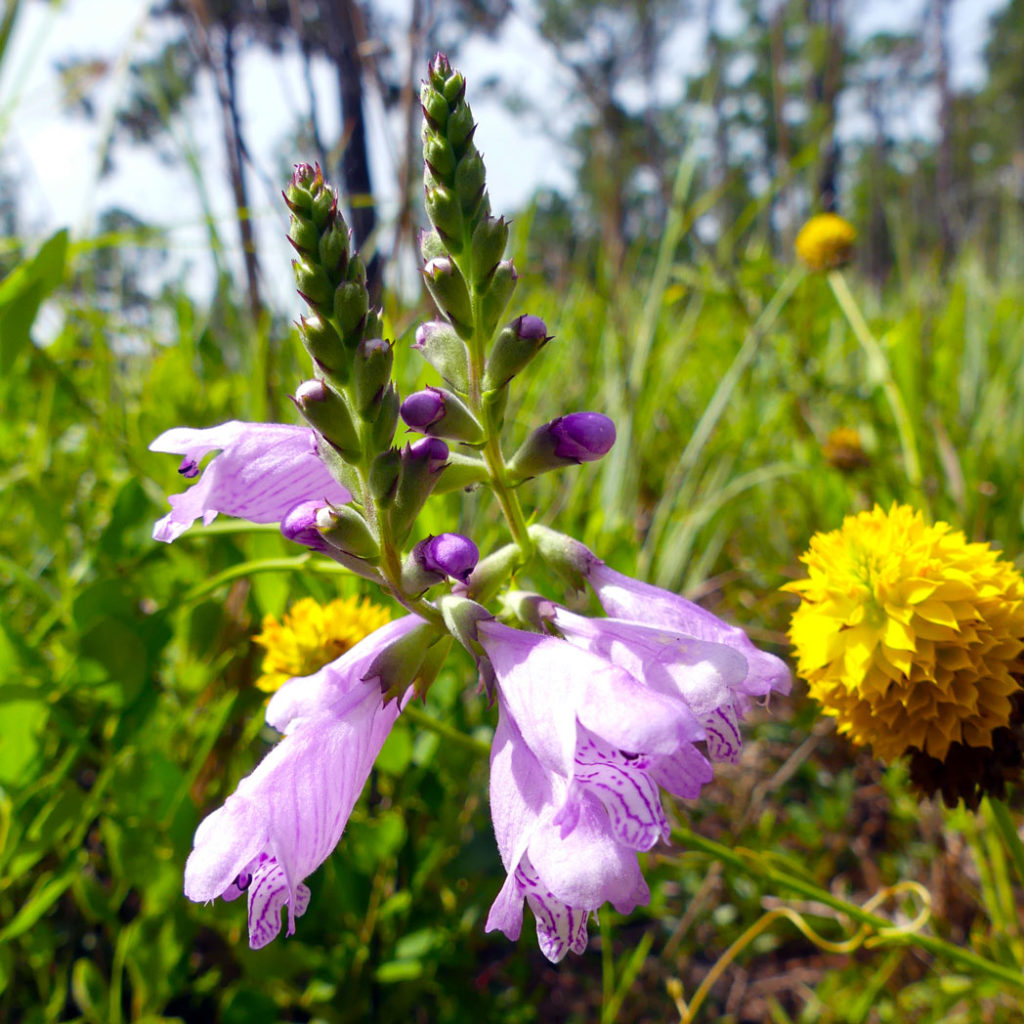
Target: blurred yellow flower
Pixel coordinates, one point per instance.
(825, 241)
(844, 451)
(311, 634)
(908, 635)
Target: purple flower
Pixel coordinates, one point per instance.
(582, 436)
(423, 408)
(262, 472)
(580, 750)
(284, 819)
(448, 554)
(626, 598)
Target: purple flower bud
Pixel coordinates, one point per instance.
(422, 408)
(310, 391)
(299, 525)
(426, 331)
(189, 467)
(582, 436)
(448, 554)
(432, 450)
(530, 327)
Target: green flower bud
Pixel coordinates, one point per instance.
(312, 282)
(431, 246)
(438, 156)
(371, 370)
(356, 271)
(486, 248)
(303, 235)
(435, 108)
(454, 88)
(382, 432)
(460, 129)
(351, 305)
(324, 208)
(515, 346)
(324, 344)
(446, 352)
(448, 287)
(470, 179)
(384, 472)
(334, 249)
(495, 297)
(446, 215)
(422, 465)
(328, 414)
(344, 528)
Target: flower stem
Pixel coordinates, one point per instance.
(879, 368)
(886, 933)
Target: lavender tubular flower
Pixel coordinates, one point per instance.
(284, 819)
(262, 472)
(574, 782)
(627, 598)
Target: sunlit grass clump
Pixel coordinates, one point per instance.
(311, 634)
(909, 635)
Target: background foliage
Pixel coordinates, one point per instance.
(126, 701)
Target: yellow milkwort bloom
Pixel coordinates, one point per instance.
(908, 635)
(311, 634)
(825, 241)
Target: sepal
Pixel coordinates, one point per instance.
(421, 467)
(328, 414)
(441, 413)
(496, 297)
(441, 346)
(570, 559)
(448, 288)
(344, 528)
(515, 346)
(371, 371)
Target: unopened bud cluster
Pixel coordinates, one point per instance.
(353, 405)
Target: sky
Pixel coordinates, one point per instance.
(57, 157)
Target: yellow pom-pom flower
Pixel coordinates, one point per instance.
(908, 635)
(311, 634)
(844, 451)
(825, 241)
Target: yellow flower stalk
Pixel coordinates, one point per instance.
(908, 635)
(311, 634)
(825, 241)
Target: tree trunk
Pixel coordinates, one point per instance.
(343, 24)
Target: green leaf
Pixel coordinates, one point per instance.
(23, 718)
(23, 291)
(117, 648)
(89, 990)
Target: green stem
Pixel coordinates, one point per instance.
(751, 864)
(879, 368)
(999, 815)
(446, 732)
(493, 457)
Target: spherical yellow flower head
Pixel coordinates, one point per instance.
(825, 241)
(311, 635)
(907, 634)
(844, 451)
